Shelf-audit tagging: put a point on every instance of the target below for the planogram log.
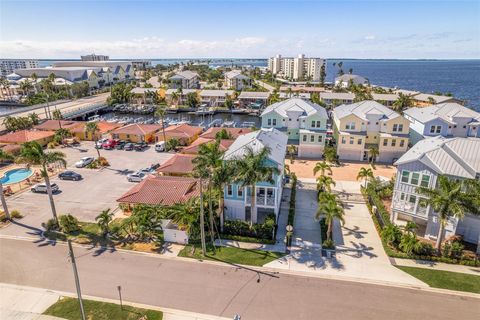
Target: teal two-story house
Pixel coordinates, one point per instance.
(304, 122)
(268, 195)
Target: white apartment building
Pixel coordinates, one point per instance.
(299, 68)
(8, 66)
(94, 57)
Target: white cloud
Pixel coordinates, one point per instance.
(370, 37)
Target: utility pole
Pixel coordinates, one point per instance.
(77, 280)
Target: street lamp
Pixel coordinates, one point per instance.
(77, 280)
(289, 229)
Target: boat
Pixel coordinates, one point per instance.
(229, 124)
(248, 124)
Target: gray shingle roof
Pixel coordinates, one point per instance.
(361, 109)
(459, 157)
(296, 104)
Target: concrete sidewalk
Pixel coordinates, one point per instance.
(28, 303)
(436, 266)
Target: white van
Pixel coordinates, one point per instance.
(160, 146)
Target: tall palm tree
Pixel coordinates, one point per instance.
(34, 78)
(322, 167)
(324, 183)
(403, 102)
(26, 86)
(450, 199)
(185, 215)
(160, 112)
(222, 176)
(365, 174)
(330, 210)
(175, 97)
(251, 168)
(373, 152)
(4, 156)
(103, 220)
(93, 129)
(207, 161)
(33, 153)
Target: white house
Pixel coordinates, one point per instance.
(446, 120)
(304, 122)
(236, 80)
(215, 98)
(345, 80)
(185, 80)
(268, 195)
(457, 158)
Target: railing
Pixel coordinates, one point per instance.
(410, 208)
(263, 201)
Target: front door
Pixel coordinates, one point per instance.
(248, 214)
(365, 155)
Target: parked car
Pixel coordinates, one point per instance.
(109, 144)
(42, 187)
(85, 161)
(70, 175)
(136, 177)
(160, 146)
(100, 142)
(128, 147)
(120, 145)
(140, 146)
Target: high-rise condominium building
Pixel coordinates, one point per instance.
(95, 57)
(299, 68)
(8, 66)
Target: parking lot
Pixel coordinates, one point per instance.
(85, 199)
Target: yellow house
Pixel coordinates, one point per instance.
(185, 133)
(137, 132)
(22, 136)
(103, 128)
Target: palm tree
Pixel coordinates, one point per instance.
(26, 86)
(103, 220)
(174, 97)
(33, 153)
(324, 183)
(450, 199)
(185, 215)
(365, 174)
(403, 102)
(34, 78)
(291, 149)
(251, 169)
(34, 118)
(92, 128)
(322, 167)
(223, 135)
(330, 210)
(221, 176)
(160, 112)
(4, 156)
(373, 152)
(330, 154)
(289, 92)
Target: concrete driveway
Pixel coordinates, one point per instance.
(85, 199)
(306, 228)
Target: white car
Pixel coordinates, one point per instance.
(85, 161)
(100, 142)
(136, 177)
(160, 147)
(42, 187)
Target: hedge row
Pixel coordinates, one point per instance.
(293, 194)
(263, 231)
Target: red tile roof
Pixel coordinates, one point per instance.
(181, 131)
(178, 164)
(52, 125)
(164, 190)
(103, 127)
(235, 132)
(138, 129)
(23, 136)
(195, 146)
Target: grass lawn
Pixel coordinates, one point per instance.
(68, 308)
(445, 279)
(232, 255)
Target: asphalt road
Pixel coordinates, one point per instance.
(221, 290)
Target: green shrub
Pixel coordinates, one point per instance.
(424, 249)
(293, 194)
(103, 162)
(68, 223)
(452, 250)
(392, 235)
(323, 229)
(409, 243)
(50, 225)
(257, 230)
(15, 214)
(328, 244)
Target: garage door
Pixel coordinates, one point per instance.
(354, 155)
(315, 152)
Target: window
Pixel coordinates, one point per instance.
(394, 142)
(395, 127)
(402, 196)
(350, 126)
(312, 138)
(269, 122)
(319, 138)
(313, 124)
(435, 129)
(405, 176)
(304, 138)
(240, 192)
(318, 124)
(425, 181)
(385, 142)
(344, 140)
(402, 143)
(412, 199)
(359, 141)
(230, 190)
(415, 178)
(351, 140)
(274, 122)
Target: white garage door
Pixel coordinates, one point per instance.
(314, 152)
(346, 154)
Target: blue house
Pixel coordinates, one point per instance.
(268, 195)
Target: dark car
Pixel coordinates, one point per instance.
(140, 146)
(70, 175)
(128, 147)
(120, 145)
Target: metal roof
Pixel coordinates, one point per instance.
(364, 108)
(446, 111)
(296, 104)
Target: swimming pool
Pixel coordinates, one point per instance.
(16, 175)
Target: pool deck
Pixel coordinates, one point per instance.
(22, 185)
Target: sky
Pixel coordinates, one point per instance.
(427, 29)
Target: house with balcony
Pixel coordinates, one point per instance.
(215, 98)
(267, 195)
(304, 122)
(365, 125)
(446, 119)
(333, 99)
(236, 80)
(185, 80)
(457, 158)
